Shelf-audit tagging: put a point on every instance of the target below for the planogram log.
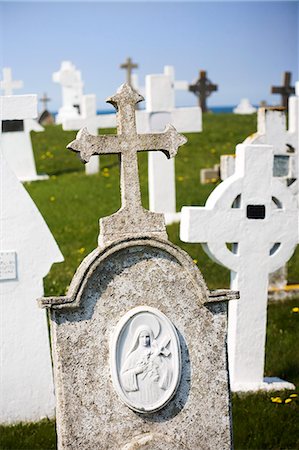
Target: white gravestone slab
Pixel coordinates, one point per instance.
(72, 91)
(272, 130)
(258, 216)
(89, 119)
(15, 140)
(139, 341)
(28, 251)
(8, 266)
(161, 110)
(244, 107)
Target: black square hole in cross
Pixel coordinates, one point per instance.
(12, 126)
(256, 211)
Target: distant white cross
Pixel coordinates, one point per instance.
(255, 214)
(7, 84)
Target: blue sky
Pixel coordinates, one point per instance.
(244, 46)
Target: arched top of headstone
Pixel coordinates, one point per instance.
(92, 263)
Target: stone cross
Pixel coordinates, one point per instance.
(129, 66)
(285, 90)
(139, 342)
(250, 226)
(160, 110)
(44, 100)
(7, 84)
(203, 88)
(28, 251)
(132, 217)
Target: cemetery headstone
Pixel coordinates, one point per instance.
(72, 91)
(15, 136)
(88, 118)
(210, 175)
(203, 88)
(45, 117)
(250, 226)
(286, 90)
(129, 65)
(7, 84)
(28, 251)
(161, 110)
(244, 107)
(139, 341)
(272, 130)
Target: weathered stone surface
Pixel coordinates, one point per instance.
(107, 285)
(139, 342)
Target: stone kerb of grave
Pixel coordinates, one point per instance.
(160, 110)
(258, 216)
(28, 251)
(136, 318)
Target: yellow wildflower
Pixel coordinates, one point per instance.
(276, 400)
(81, 250)
(52, 198)
(180, 178)
(106, 174)
(295, 309)
(213, 150)
(195, 261)
(288, 400)
(294, 395)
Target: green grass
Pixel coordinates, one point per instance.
(72, 204)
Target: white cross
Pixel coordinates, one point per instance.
(257, 214)
(72, 90)
(7, 84)
(88, 118)
(161, 110)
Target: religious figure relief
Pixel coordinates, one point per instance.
(147, 357)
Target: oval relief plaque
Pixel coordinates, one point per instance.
(145, 359)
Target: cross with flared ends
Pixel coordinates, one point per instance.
(127, 143)
(7, 84)
(129, 65)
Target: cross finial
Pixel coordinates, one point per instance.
(129, 66)
(44, 100)
(132, 218)
(7, 84)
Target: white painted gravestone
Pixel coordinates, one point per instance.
(28, 251)
(72, 91)
(244, 107)
(160, 110)
(15, 140)
(272, 130)
(139, 341)
(256, 215)
(85, 114)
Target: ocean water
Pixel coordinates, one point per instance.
(213, 109)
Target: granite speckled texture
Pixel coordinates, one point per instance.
(135, 266)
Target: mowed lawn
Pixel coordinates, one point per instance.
(72, 204)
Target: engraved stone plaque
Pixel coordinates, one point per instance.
(8, 265)
(145, 359)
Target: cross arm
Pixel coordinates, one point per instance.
(168, 142)
(87, 144)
